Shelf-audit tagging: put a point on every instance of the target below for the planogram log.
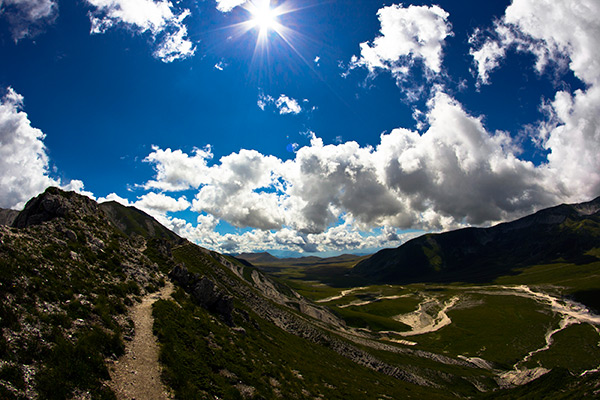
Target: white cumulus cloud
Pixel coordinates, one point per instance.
(23, 159)
(176, 170)
(228, 5)
(407, 34)
(552, 31)
(563, 33)
(162, 203)
(283, 104)
(159, 18)
(456, 171)
(287, 105)
(234, 191)
(24, 162)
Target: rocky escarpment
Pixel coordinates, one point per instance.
(289, 318)
(204, 292)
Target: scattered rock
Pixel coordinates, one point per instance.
(245, 390)
(204, 291)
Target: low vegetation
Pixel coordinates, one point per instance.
(311, 329)
(66, 285)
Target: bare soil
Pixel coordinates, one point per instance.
(136, 375)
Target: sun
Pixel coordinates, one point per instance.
(267, 22)
(263, 17)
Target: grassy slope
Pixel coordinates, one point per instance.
(205, 358)
(76, 306)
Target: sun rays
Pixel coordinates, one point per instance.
(264, 18)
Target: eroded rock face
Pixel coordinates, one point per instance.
(7, 217)
(204, 291)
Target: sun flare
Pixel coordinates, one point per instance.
(263, 17)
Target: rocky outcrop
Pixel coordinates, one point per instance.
(204, 291)
(54, 203)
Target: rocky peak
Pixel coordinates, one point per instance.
(55, 203)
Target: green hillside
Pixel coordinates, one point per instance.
(563, 234)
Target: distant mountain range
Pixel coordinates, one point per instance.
(267, 258)
(565, 233)
(256, 258)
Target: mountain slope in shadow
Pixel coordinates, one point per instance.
(566, 233)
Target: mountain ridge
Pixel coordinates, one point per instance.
(264, 258)
(566, 231)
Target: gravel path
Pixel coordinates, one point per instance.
(136, 375)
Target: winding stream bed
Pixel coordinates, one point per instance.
(432, 315)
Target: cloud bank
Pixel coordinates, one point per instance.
(453, 173)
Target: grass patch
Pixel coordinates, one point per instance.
(574, 277)
(79, 364)
(355, 317)
(497, 328)
(575, 348)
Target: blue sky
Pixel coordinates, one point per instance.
(336, 127)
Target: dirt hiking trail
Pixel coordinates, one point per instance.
(136, 375)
